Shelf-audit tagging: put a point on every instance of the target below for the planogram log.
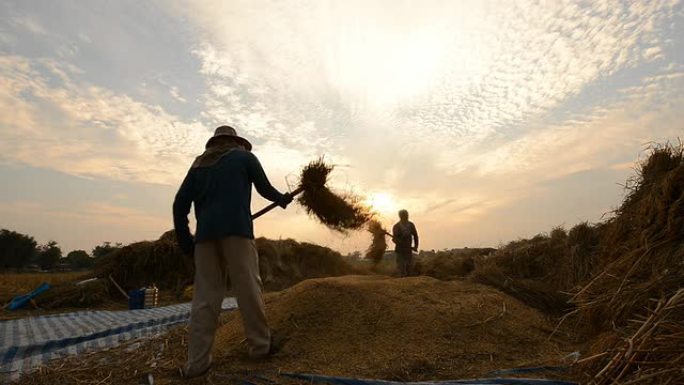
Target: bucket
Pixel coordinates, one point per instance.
(136, 299)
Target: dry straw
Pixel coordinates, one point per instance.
(352, 317)
(651, 354)
(530, 270)
(141, 264)
(619, 280)
(338, 212)
(633, 304)
(378, 246)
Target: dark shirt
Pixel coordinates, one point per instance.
(402, 234)
(222, 196)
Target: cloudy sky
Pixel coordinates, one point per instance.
(487, 120)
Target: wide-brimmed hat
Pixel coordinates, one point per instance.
(230, 132)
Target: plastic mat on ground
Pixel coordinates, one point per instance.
(30, 342)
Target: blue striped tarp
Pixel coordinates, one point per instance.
(30, 342)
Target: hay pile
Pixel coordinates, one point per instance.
(648, 352)
(620, 280)
(140, 264)
(397, 329)
(541, 271)
(449, 264)
(633, 306)
(283, 263)
(642, 248)
(338, 212)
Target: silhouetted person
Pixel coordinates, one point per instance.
(403, 235)
(219, 184)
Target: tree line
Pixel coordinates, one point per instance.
(21, 251)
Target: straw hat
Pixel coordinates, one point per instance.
(229, 131)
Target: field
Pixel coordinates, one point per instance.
(12, 284)
(604, 301)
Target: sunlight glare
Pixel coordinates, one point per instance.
(382, 203)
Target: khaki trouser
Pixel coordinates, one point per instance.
(237, 258)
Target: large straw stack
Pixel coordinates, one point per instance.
(140, 264)
(285, 262)
(633, 305)
(620, 281)
(532, 270)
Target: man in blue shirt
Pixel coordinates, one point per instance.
(219, 184)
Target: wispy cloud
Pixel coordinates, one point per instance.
(50, 120)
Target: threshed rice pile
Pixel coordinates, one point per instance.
(358, 326)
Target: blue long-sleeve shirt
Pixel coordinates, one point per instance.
(222, 196)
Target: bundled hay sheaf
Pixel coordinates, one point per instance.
(378, 246)
(339, 212)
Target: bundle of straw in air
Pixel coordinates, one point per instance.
(378, 246)
(339, 212)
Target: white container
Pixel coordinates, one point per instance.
(151, 297)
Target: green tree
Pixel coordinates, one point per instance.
(79, 259)
(16, 250)
(48, 255)
(104, 249)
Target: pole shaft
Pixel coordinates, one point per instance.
(273, 205)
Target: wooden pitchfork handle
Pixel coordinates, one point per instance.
(273, 205)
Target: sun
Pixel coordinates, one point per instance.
(382, 203)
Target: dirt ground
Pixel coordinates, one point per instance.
(405, 329)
